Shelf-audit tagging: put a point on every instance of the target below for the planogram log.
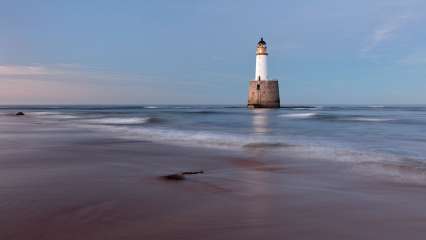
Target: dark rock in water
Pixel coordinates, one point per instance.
(19, 114)
(180, 176)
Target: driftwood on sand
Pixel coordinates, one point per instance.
(180, 176)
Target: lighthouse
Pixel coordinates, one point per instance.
(261, 61)
(263, 92)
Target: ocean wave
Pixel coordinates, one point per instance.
(53, 115)
(207, 112)
(62, 116)
(376, 106)
(203, 138)
(185, 137)
(237, 141)
(299, 115)
(151, 107)
(368, 119)
(256, 145)
(182, 107)
(312, 108)
(336, 117)
(368, 162)
(303, 149)
(119, 121)
(300, 107)
(45, 113)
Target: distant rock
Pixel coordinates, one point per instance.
(19, 114)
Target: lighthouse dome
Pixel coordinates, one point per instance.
(261, 48)
(261, 42)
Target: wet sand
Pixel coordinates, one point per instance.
(58, 182)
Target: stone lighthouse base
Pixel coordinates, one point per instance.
(263, 94)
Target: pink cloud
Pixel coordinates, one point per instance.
(17, 70)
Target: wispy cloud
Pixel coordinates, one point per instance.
(45, 84)
(385, 32)
(62, 73)
(19, 70)
(70, 83)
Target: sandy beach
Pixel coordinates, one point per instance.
(213, 120)
(60, 182)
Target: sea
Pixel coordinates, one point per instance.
(390, 134)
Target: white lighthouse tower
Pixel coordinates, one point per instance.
(261, 61)
(263, 93)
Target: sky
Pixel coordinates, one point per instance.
(203, 52)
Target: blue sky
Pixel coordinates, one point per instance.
(203, 52)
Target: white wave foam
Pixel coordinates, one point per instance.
(369, 119)
(299, 115)
(190, 137)
(363, 160)
(62, 116)
(376, 106)
(118, 121)
(53, 115)
(45, 113)
(151, 107)
(183, 107)
(236, 141)
(183, 137)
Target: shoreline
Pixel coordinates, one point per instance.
(62, 183)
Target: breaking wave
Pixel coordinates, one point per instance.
(387, 166)
(53, 115)
(299, 131)
(44, 113)
(119, 121)
(256, 145)
(369, 119)
(299, 115)
(336, 117)
(182, 107)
